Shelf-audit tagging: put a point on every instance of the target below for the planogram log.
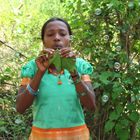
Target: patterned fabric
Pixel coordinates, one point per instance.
(75, 133)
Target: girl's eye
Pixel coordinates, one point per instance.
(49, 34)
(62, 34)
(53, 34)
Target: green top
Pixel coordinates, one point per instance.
(57, 106)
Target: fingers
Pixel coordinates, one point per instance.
(67, 52)
(46, 54)
(42, 66)
(49, 50)
(42, 60)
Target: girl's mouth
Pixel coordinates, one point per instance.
(58, 47)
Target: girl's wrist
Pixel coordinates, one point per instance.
(74, 74)
(40, 73)
(75, 77)
(31, 90)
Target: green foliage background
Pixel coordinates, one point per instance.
(105, 32)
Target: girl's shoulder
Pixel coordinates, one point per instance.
(29, 69)
(83, 66)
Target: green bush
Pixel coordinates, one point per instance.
(106, 33)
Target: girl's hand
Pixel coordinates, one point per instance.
(42, 60)
(67, 52)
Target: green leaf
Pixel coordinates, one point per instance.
(96, 85)
(109, 125)
(104, 77)
(56, 60)
(131, 106)
(8, 70)
(128, 80)
(117, 75)
(124, 122)
(69, 64)
(2, 123)
(63, 63)
(134, 116)
(117, 90)
(114, 115)
(118, 127)
(115, 95)
(119, 109)
(3, 129)
(123, 134)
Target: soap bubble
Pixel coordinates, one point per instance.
(105, 98)
(17, 55)
(98, 11)
(117, 65)
(18, 121)
(118, 48)
(106, 37)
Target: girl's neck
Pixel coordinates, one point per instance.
(52, 69)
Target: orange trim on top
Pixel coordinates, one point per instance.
(25, 81)
(86, 78)
(58, 129)
(56, 73)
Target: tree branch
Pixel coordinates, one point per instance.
(4, 43)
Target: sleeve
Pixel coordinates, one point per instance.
(29, 69)
(83, 67)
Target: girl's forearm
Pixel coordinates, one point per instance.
(86, 94)
(25, 99)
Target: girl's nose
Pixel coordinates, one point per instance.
(57, 37)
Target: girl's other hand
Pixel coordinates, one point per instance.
(67, 52)
(42, 60)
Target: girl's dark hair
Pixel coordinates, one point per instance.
(54, 19)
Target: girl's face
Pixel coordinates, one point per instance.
(56, 35)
